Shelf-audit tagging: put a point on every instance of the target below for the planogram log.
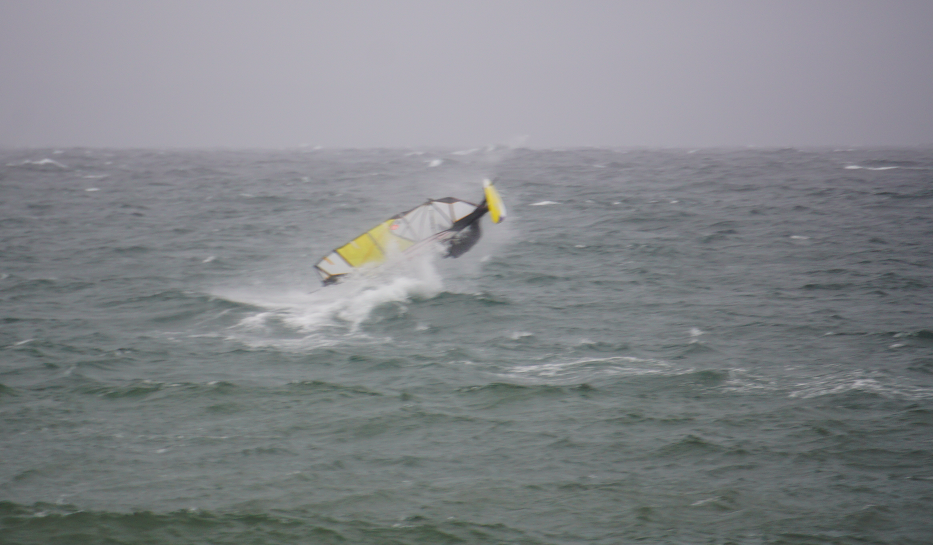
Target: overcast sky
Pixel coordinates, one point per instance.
(276, 73)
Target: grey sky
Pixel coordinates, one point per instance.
(233, 73)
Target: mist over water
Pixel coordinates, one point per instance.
(665, 346)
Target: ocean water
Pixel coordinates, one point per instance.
(657, 346)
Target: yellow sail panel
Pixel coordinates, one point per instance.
(368, 247)
(374, 245)
(497, 211)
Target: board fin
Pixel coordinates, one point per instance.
(497, 211)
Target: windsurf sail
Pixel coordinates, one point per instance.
(449, 222)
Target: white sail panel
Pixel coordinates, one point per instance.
(332, 265)
(430, 218)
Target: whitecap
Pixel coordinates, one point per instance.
(41, 163)
(544, 203)
(695, 334)
(860, 381)
(593, 367)
(742, 381)
(857, 167)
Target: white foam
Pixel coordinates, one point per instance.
(544, 203)
(591, 367)
(742, 381)
(41, 162)
(876, 383)
(695, 334)
(325, 316)
(857, 167)
(358, 308)
(435, 162)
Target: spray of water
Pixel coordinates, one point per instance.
(339, 310)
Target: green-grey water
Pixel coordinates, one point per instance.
(657, 346)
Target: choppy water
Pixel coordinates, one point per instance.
(658, 346)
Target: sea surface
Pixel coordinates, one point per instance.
(671, 346)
